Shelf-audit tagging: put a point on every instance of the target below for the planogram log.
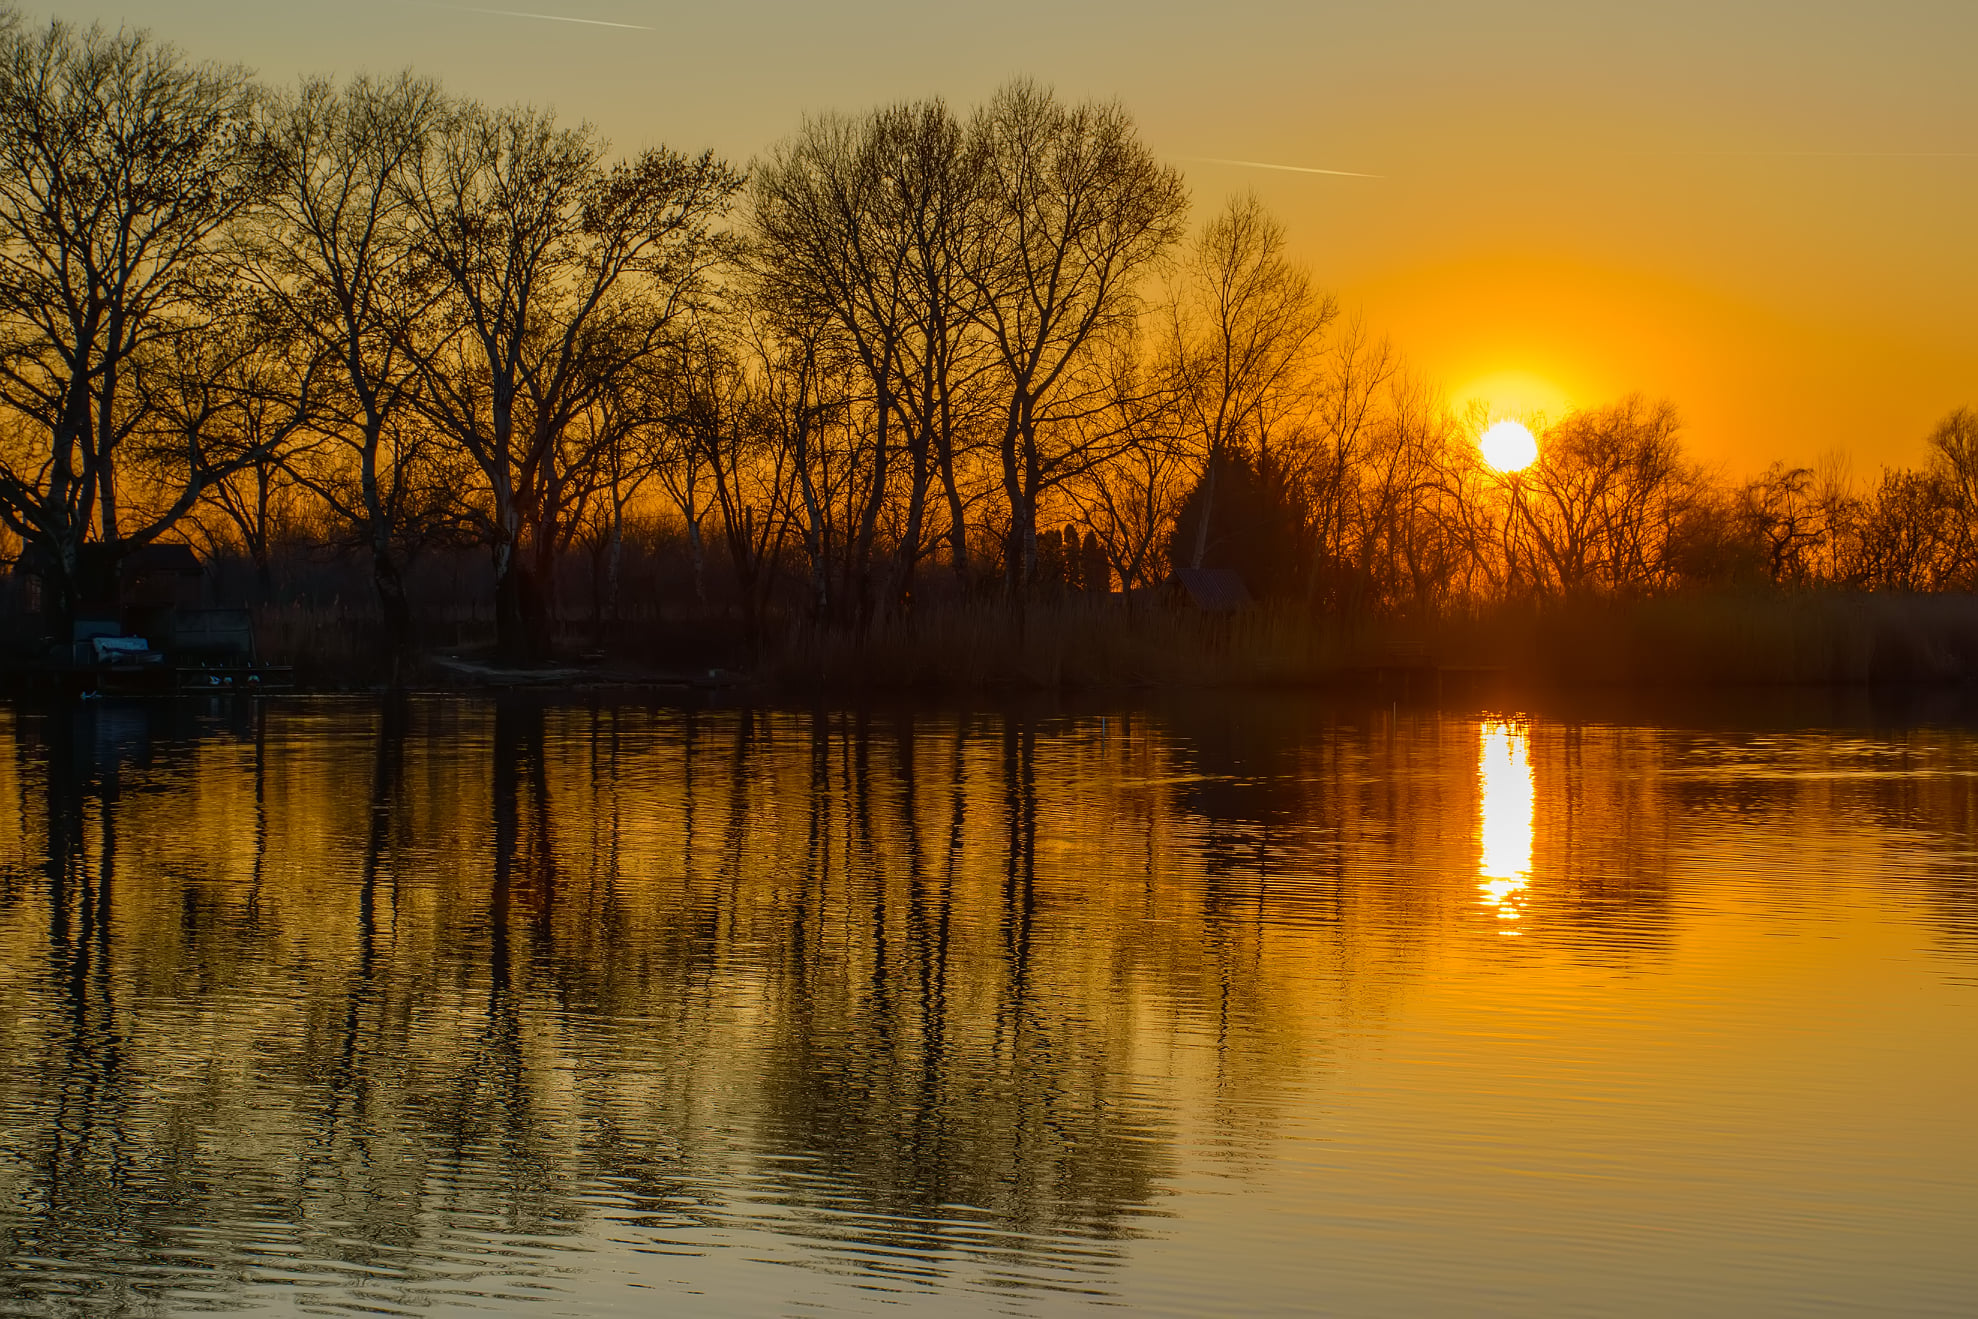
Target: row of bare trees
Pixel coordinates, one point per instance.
(418, 309)
(914, 350)
(1912, 529)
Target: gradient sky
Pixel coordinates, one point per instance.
(1767, 211)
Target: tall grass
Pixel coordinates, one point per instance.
(1073, 643)
(1686, 640)
(1758, 637)
(328, 645)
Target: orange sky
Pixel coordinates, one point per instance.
(1762, 209)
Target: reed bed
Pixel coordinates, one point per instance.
(328, 645)
(1689, 640)
(1070, 644)
(1764, 637)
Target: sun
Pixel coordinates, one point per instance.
(1508, 446)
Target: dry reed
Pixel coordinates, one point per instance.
(1693, 640)
(1688, 640)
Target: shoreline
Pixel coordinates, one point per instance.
(1691, 642)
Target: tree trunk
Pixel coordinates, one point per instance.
(1022, 534)
(910, 545)
(394, 608)
(697, 556)
(868, 523)
(957, 521)
(60, 593)
(521, 621)
(509, 643)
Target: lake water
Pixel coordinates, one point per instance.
(1227, 1007)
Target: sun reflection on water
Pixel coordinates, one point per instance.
(1505, 824)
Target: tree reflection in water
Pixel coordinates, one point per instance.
(401, 997)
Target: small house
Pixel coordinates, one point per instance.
(1209, 590)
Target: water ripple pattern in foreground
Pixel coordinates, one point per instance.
(1230, 1006)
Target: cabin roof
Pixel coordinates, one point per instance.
(161, 559)
(151, 560)
(1213, 590)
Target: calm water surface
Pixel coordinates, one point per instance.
(1260, 1006)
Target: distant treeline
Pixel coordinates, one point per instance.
(336, 331)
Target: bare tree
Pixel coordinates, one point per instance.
(340, 258)
(562, 273)
(1395, 551)
(1954, 458)
(860, 223)
(120, 167)
(1603, 505)
(829, 249)
(722, 413)
(806, 397)
(1781, 513)
(943, 360)
(1131, 502)
(1356, 372)
(1909, 534)
(248, 386)
(1241, 330)
(626, 433)
(1072, 212)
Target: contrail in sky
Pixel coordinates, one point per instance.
(1827, 155)
(550, 18)
(1291, 169)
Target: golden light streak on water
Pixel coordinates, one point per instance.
(1505, 817)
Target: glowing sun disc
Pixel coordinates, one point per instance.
(1508, 446)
